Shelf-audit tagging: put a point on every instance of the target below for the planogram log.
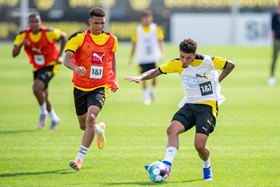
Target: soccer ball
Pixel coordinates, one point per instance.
(158, 172)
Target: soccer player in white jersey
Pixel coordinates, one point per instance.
(199, 107)
(148, 41)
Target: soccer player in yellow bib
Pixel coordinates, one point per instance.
(148, 42)
(43, 53)
(199, 107)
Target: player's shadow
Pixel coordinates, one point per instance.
(17, 131)
(149, 183)
(63, 172)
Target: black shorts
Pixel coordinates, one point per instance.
(147, 67)
(44, 74)
(198, 115)
(83, 100)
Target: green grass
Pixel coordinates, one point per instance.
(244, 147)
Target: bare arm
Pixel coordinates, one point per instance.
(229, 67)
(131, 54)
(69, 63)
(63, 40)
(161, 46)
(145, 76)
(17, 48)
(114, 67)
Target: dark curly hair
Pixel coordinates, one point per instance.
(97, 11)
(188, 46)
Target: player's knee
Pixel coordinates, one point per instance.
(36, 89)
(168, 131)
(171, 131)
(199, 146)
(90, 122)
(82, 127)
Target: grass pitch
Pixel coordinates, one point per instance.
(244, 147)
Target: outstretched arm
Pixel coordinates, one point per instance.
(131, 55)
(161, 46)
(63, 40)
(144, 76)
(229, 67)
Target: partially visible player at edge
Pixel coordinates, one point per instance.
(91, 56)
(43, 53)
(199, 107)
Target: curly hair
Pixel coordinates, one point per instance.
(188, 46)
(97, 11)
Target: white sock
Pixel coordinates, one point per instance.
(43, 109)
(97, 129)
(53, 115)
(146, 94)
(170, 154)
(206, 164)
(82, 153)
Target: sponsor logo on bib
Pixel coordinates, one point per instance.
(97, 57)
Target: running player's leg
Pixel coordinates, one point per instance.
(42, 78)
(46, 76)
(54, 118)
(146, 96)
(200, 145)
(204, 154)
(48, 102)
(276, 47)
(152, 88)
(144, 85)
(88, 105)
(173, 132)
(38, 87)
(89, 121)
(90, 125)
(97, 99)
(82, 121)
(77, 163)
(205, 125)
(80, 98)
(182, 121)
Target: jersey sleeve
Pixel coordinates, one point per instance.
(116, 44)
(75, 41)
(219, 62)
(160, 34)
(170, 67)
(134, 36)
(53, 34)
(56, 34)
(19, 38)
